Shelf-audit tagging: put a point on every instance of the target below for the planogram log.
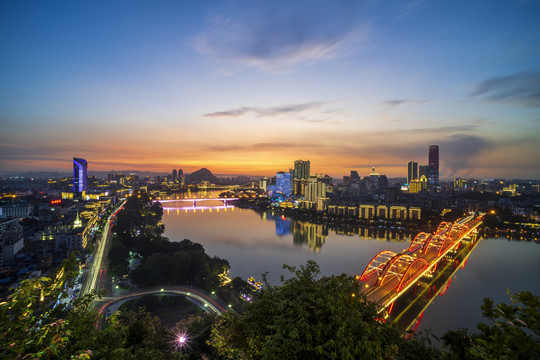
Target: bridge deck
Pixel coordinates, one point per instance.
(385, 282)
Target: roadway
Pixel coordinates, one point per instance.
(207, 301)
(97, 274)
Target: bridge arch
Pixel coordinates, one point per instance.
(464, 231)
(447, 243)
(434, 241)
(396, 266)
(417, 267)
(376, 266)
(418, 241)
(443, 227)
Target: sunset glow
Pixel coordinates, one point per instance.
(247, 88)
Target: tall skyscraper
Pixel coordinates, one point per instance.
(80, 176)
(174, 174)
(412, 171)
(433, 163)
(301, 169)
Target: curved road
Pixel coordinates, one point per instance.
(213, 303)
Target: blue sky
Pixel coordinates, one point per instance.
(249, 87)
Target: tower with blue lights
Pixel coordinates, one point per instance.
(80, 177)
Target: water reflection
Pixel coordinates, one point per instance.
(314, 235)
(255, 243)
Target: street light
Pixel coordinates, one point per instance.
(181, 340)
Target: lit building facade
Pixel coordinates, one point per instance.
(315, 193)
(433, 164)
(412, 171)
(301, 169)
(80, 176)
(283, 183)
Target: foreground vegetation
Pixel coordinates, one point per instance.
(306, 317)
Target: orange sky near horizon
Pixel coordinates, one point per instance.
(247, 87)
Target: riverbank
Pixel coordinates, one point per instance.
(335, 221)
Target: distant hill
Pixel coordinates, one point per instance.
(203, 175)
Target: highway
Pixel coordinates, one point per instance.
(97, 274)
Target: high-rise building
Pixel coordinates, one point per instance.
(283, 183)
(301, 169)
(80, 176)
(412, 171)
(174, 174)
(433, 163)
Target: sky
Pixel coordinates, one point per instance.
(247, 87)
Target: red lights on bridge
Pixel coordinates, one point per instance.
(390, 274)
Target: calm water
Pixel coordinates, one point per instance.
(255, 243)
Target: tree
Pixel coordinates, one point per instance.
(309, 318)
(34, 324)
(514, 332)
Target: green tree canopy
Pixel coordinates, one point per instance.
(311, 318)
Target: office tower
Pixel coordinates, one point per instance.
(174, 175)
(301, 169)
(80, 176)
(433, 163)
(412, 171)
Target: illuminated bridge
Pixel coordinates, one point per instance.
(389, 275)
(194, 201)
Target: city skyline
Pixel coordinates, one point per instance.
(248, 88)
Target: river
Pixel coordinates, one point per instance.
(255, 243)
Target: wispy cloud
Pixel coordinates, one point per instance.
(274, 36)
(522, 89)
(266, 111)
(388, 104)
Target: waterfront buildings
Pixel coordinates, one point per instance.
(315, 193)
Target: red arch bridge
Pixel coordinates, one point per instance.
(389, 275)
